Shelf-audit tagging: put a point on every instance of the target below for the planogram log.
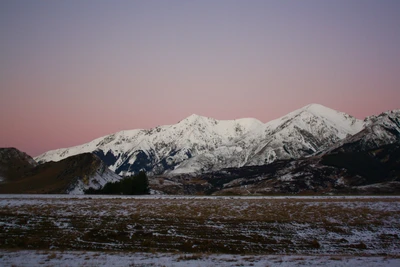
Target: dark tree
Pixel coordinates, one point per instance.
(133, 185)
(140, 184)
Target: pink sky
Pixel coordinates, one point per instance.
(73, 71)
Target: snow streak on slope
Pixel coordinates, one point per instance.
(198, 144)
(95, 181)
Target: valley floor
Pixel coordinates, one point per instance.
(198, 231)
(27, 258)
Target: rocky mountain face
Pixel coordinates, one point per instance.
(378, 131)
(198, 144)
(72, 175)
(365, 163)
(375, 171)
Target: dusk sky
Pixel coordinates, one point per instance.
(72, 71)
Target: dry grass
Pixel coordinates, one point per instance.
(52, 256)
(198, 226)
(190, 257)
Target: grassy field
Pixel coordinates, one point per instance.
(224, 225)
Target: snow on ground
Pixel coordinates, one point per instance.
(66, 196)
(86, 258)
(199, 231)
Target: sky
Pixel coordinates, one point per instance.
(72, 71)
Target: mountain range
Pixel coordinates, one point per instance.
(281, 152)
(199, 144)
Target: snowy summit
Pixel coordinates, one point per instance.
(198, 144)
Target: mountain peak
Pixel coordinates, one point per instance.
(325, 112)
(194, 115)
(194, 118)
(318, 109)
(314, 105)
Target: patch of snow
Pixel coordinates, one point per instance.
(90, 258)
(286, 178)
(97, 181)
(340, 181)
(156, 192)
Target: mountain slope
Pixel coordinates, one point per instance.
(72, 175)
(379, 130)
(304, 132)
(365, 163)
(375, 171)
(199, 144)
(14, 163)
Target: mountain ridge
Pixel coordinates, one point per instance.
(197, 143)
(311, 150)
(191, 117)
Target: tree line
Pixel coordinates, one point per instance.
(132, 185)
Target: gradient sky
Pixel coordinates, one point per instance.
(72, 71)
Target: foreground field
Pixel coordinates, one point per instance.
(333, 226)
(28, 258)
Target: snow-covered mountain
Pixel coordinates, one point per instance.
(379, 130)
(198, 144)
(304, 132)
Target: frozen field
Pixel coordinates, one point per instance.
(28, 258)
(199, 231)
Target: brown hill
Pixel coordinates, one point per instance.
(71, 175)
(14, 164)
